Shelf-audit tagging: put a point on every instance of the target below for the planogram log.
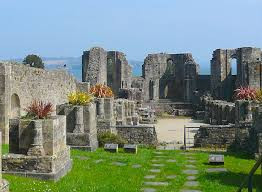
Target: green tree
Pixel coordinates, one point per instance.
(34, 61)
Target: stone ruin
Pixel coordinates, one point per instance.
(249, 71)
(169, 83)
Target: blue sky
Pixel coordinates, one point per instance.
(56, 28)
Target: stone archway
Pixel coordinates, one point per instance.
(166, 83)
(15, 106)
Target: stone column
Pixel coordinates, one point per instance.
(37, 148)
(79, 119)
(100, 107)
(109, 108)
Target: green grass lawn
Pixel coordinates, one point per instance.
(89, 176)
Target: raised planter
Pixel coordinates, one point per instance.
(81, 130)
(39, 150)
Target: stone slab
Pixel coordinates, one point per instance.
(171, 160)
(158, 165)
(190, 172)
(190, 166)
(155, 183)
(119, 164)
(213, 170)
(99, 161)
(150, 177)
(113, 148)
(149, 190)
(136, 166)
(171, 176)
(191, 178)
(154, 170)
(128, 148)
(192, 184)
(216, 159)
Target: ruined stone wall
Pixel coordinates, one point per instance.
(110, 68)
(138, 134)
(164, 76)
(119, 72)
(22, 84)
(249, 71)
(94, 66)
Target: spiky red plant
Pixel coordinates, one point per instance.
(40, 109)
(245, 93)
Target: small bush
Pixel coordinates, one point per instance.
(80, 98)
(107, 137)
(101, 91)
(39, 110)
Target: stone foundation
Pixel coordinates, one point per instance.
(41, 167)
(39, 150)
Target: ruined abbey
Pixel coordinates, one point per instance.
(169, 83)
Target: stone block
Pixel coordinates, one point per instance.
(216, 159)
(130, 148)
(113, 148)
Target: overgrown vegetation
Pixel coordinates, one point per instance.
(80, 98)
(101, 91)
(107, 137)
(39, 110)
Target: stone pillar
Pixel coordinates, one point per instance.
(132, 108)
(243, 111)
(260, 143)
(79, 120)
(100, 107)
(5, 103)
(109, 108)
(4, 185)
(37, 148)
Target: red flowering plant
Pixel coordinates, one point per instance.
(245, 93)
(39, 109)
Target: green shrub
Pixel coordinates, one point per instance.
(107, 137)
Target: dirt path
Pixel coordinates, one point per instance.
(172, 130)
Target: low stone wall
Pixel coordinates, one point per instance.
(215, 136)
(138, 134)
(219, 112)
